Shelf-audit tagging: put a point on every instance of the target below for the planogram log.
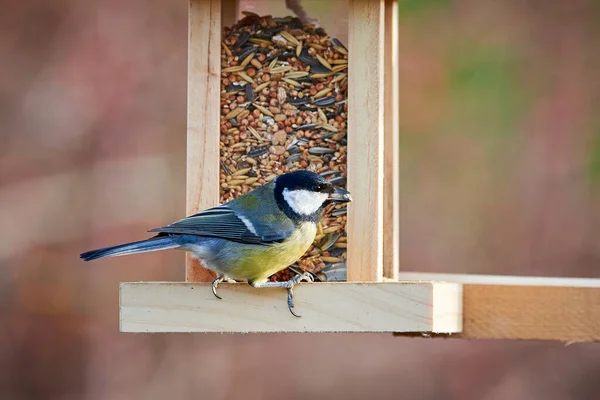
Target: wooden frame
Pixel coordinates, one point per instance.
(391, 168)
(204, 67)
(365, 140)
(365, 133)
(431, 305)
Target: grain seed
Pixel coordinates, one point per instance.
(236, 68)
(262, 109)
(290, 38)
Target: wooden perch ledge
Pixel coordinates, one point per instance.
(325, 307)
(437, 305)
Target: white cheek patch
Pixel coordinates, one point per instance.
(304, 202)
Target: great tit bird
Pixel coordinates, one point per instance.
(251, 237)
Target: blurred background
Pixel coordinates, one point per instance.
(500, 169)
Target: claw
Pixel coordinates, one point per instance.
(291, 302)
(214, 286)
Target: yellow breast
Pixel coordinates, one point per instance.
(260, 262)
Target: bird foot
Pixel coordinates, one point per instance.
(289, 285)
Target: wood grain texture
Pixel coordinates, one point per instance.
(391, 171)
(325, 307)
(365, 140)
(528, 308)
(203, 115)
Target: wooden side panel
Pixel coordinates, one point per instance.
(530, 308)
(365, 140)
(391, 182)
(203, 115)
(325, 307)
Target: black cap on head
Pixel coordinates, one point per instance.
(304, 180)
(293, 195)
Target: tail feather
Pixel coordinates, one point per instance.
(143, 246)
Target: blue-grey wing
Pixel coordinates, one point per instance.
(263, 223)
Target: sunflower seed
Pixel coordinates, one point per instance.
(327, 173)
(329, 241)
(293, 158)
(300, 100)
(338, 181)
(285, 20)
(307, 126)
(320, 150)
(306, 58)
(234, 88)
(224, 167)
(293, 149)
(339, 212)
(242, 39)
(338, 43)
(324, 102)
(257, 152)
(249, 93)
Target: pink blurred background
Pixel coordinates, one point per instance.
(500, 168)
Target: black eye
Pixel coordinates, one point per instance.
(319, 187)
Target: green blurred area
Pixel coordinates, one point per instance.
(594, 158)
(410, 9)
(498, 136)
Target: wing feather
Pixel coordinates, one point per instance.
(226, 223)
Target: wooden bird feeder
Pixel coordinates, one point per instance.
(376, 298)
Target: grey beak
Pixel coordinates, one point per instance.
(340, 195)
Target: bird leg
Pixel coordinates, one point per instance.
(216, 282)
(289, 285)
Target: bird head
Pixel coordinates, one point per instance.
(303, 194)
